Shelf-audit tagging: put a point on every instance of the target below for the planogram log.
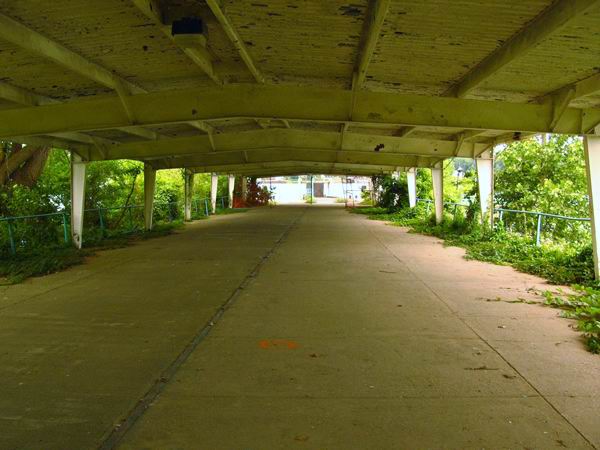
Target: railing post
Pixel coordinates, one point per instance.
(65, 230)
(11, 239)
(538, 234)
(101, 219)
(206, 213)
(222, 203)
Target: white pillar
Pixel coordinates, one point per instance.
(485, 182)
(77, 198)
(149, 188)
(188, 193)
(214, 180)
(411, 179)
(592, 163)
(437, 175)
(231, 187)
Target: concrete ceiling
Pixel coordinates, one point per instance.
(281, 87)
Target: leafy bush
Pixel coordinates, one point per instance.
(584, 306)
(52, 259)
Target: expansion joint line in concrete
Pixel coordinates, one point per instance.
(116, 434)
(542, 396)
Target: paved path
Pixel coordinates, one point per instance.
(336, 333)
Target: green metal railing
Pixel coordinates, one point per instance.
(198, 205)
(540, 216)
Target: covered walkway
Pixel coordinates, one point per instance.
(290, 327)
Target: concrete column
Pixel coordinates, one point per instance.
(244, 188)
(437, 175)
(149, 188)
(592, 163)
(188, 193)
(77, 198)
(214, 180)
(485, 182)
(411, 179)
(231, 187)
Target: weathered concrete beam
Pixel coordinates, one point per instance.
(198, 54)
(550, 22)
(300, 103)
(236, 40)
(291, 154)
(378, 9)
(288, 138)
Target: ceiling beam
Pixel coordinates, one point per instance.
(289, 138)
(294, 103)
(288, 165)
(198, 54)
(548, 23)
(28, 98)
(236, 40)
(378, 9)
(208, 129)
(288, 154)
(406, 131)
(32, 41)
(24, 97)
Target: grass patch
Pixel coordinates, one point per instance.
(39, 262)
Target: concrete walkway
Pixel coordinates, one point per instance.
(290, 327)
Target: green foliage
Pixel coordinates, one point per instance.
(530, 176)
(583, 306)
(110, 185)
(546, 178)
(43, 261)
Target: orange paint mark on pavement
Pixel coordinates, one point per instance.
(280, 343)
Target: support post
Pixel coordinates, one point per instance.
(149, 188)
(244, 189)
(231, 187)
(189, 191)
(592, 163)
(77, 198)
(485, 183)
(214, 180)
(411, 179)
(437, 175)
